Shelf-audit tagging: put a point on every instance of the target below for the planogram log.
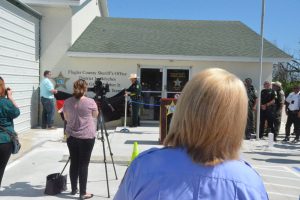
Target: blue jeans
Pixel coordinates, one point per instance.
(48, 112)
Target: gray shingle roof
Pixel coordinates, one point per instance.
(173, 37)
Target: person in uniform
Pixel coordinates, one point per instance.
(134, 91)
(252, 101)
(279, 102)
(267, 109)
(292, 111)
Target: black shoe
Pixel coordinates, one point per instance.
(286, 139)
(296, 140)
(74, 192)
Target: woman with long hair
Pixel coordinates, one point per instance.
(8, 111)
(80, 112)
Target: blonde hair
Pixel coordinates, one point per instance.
(79, 88)
(210, 117)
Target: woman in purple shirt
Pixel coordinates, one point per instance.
(200, 159)
(80, 112)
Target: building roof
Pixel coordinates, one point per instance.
(55, 2)
(173, 37)
(26, 8)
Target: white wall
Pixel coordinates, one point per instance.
(19, 61)
(81, 18)
(116, 71)
(60, 27)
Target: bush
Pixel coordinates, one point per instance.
(288, 87)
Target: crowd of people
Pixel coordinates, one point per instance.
(272, 104)
(205, 136)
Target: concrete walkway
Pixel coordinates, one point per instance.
(43, 152)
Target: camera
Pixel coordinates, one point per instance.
(99, 89)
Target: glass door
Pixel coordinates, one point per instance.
(157, 83)
(151, 81)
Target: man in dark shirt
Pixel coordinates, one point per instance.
(134, 91)
(267, 109)
(252, 101)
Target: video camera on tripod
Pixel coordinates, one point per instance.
(99, 89)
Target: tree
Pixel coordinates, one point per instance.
(288, 73)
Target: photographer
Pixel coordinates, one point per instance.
(134, 91)
(292, 110)
(8, 111)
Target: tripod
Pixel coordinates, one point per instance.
(103, 131)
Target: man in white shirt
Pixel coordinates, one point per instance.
(292, 111)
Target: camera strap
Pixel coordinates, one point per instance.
(8, 132)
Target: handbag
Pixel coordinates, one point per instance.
(56, 183)
(15, 140)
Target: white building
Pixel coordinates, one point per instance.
(78, 40)
(20, 58)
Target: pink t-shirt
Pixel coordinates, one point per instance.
(81, 123)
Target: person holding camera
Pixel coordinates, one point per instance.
(201, 158)
(134, 91)
(8, 111)
(47, 98)
(292, 111)
(80, 113)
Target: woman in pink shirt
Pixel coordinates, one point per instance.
(79, 112)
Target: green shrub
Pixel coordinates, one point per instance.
(288, 86)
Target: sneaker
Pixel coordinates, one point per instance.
(286, 139)
(52, 128)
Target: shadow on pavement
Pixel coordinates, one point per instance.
(23, 189)
(279, 161)
(287, 146)
(272, 154)
(144, 142)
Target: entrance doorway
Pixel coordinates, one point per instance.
(157, 83)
